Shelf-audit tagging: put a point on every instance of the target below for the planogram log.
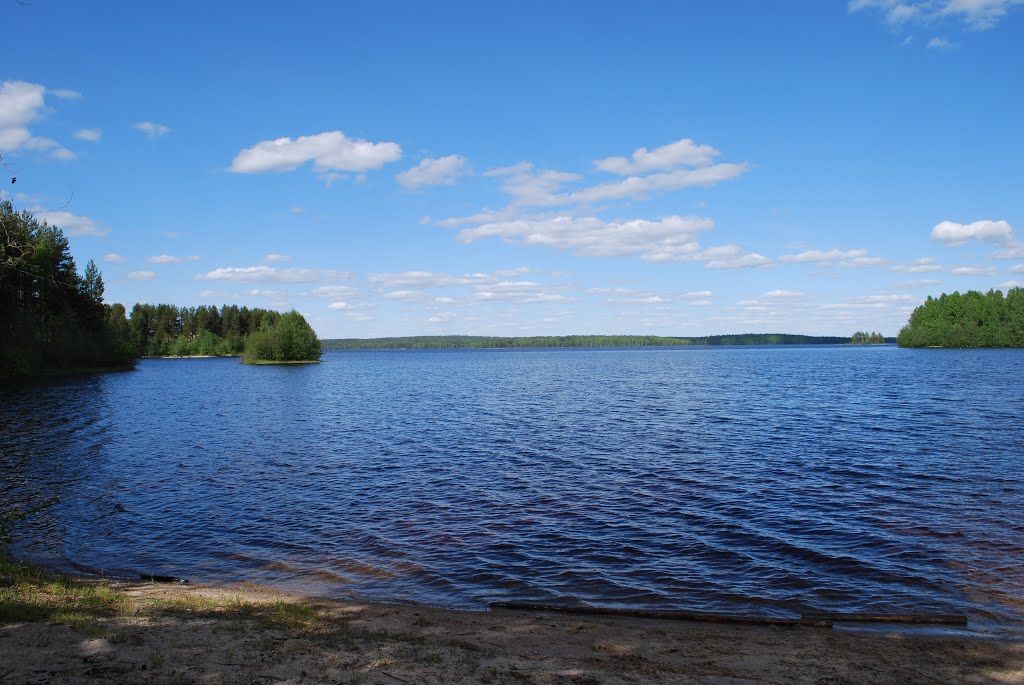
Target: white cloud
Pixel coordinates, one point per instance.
(402, 295)
(334, 291)
(274, 257)
(977, 15)
(642, 186)
(941, 44)
(1017, 269)
(432, 172)
(152, 129)
(89, 134)
(270, 274)
(680, 153)
(773, 297)
(701, 303)
(422, 280)
(698, 294)
(71, 224)
(670, 238)
(913, 285)
(918, 266)
(297, 210)
(953, 233)
(861, 262)
(822, 256)
(171, 259)
(64, 93)
(21, 104)
(975, 271)
(218, 295)
(1011, 284)
(114, 257)
(331, 151)
(338, 306)
(744, 261)
(170, 234)
(141, 275)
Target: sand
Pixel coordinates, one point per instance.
(204, 641)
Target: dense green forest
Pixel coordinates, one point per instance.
(164, 330)
(52, 319)
(453, 342)
(864, 338)
(972, 319)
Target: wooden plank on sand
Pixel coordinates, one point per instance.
(670, 615)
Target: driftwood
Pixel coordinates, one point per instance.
(931, 619)
(161, 579)
(671, 615)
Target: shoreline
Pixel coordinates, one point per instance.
(142, 631)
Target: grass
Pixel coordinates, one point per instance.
(29, 593)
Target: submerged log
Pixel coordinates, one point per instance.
(161, 579)
(930, 619)
(671, 615)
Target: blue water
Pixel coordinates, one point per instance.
(754, 480)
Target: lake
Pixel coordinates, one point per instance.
(747, 480)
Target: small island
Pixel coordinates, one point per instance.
(288, 339)
(864, 338)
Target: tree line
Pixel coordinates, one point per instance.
(865, 338)
(164, 330)
(459, 342)
(971, 319)
(52, 318)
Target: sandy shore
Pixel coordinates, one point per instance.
(182, 634)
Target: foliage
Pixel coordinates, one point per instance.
(448, 342)
(164, 330)
(972, 319)
(287, 339)
(51, 318)
(864, 338)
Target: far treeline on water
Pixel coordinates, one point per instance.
(54, 320)
(467, 342)
(972, 319)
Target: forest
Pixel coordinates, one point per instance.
(52, 319)
(462, 342)
(164, 330)
(971, 319)
(865, 338)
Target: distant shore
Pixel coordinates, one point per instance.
(92, 631)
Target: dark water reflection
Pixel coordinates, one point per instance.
(743, 479)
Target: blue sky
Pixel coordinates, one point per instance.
(407, 168)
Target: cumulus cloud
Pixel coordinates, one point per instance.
(433, 172)
(636, 187)
(331, 151)
(171, 259)
(673, 237)
(975, 271)
(270, 274)
(152, 129)
(740, 261)
(519, 292)
(913, 285)
(274, 257)
(1008, 285)
(21, 104)
(918, 266)
(774, 297)
(89, 134)
(141, 275)
(339, 306)
(822, 256)
(334, 291)
(952, 233)
(942, 44)
(683, 152)
(113, 257)
(71, 224)
(1017, 269)
(977, 15)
